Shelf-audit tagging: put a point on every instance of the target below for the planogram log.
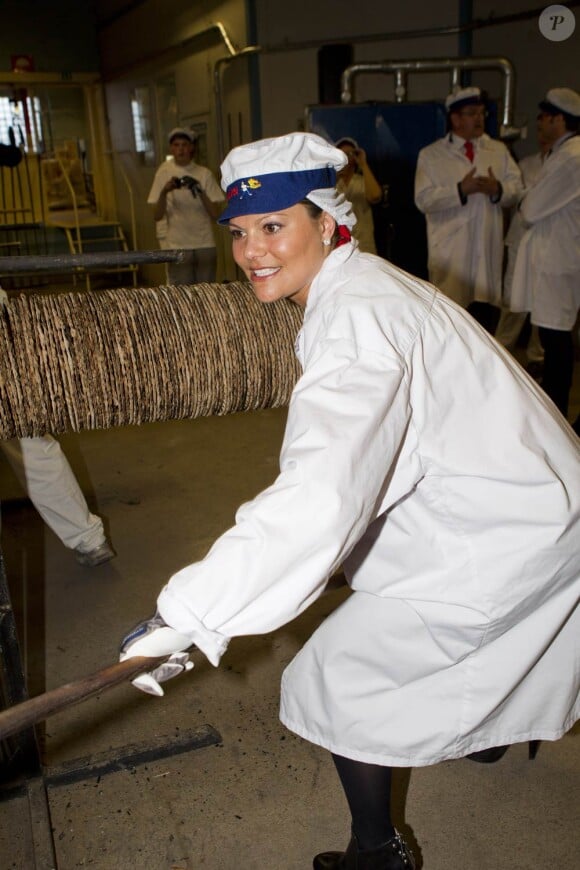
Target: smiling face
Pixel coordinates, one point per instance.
(281, 253)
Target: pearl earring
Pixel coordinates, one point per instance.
(326, 241)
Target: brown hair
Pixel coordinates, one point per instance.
(314, 212)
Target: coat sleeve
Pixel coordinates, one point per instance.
(556, 187)
(346, 421)
(430, 193)
(511, 182)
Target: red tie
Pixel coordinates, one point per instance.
(469, 151)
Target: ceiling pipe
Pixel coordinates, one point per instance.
(245, 52)
(400, 69)
(171, 50)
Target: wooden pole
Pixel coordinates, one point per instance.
(28, 713)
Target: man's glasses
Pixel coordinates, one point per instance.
(474, 113)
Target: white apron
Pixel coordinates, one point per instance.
(422, 457)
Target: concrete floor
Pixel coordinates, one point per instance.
(261, 797)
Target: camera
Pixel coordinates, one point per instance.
(188, 182)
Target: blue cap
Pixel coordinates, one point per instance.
(262, 194)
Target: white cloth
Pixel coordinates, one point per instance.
(546, 278)
(54, 491)
(465, 242)
(338, 206)
(292, 152)
(415, 454)
(461, 96)
(511, 322)
(364, 230)
(186, 224)
(508, 331)
(530, 167)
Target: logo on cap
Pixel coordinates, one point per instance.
(243, 188)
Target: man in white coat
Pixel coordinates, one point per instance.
(546, 278)
(462, 183)
(511, 322)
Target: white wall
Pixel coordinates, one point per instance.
(289, 78)
(154, 38)
(539, 63)
(140, 49)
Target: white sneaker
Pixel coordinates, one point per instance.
(103, 553)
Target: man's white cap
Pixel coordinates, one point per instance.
(563, 100)
(463, 97)
(183, 132)
(346, 140)
(274, 174)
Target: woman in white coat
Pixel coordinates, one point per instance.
(423, 459)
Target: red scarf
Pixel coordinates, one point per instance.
(344, 235)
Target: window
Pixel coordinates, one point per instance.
(25, 118)
(142, 127)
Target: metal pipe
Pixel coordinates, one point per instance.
(397, 67)
(400, 86)
(249, 50)
(184, 46)
(69, 262)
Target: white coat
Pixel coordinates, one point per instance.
(546, 278)
(530, 167)
(465, 242)
(422, 457)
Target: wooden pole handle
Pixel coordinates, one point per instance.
(29, 713)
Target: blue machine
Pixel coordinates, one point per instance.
(392, 134)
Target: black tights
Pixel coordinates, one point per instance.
(486, 314)
(558, 347)
(368, 792)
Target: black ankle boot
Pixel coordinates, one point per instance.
(392, 855)
(488, 756)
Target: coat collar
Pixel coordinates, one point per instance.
(322, 286)
(456, 143)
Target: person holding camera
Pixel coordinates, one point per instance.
(187, 200)
(362, 189)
